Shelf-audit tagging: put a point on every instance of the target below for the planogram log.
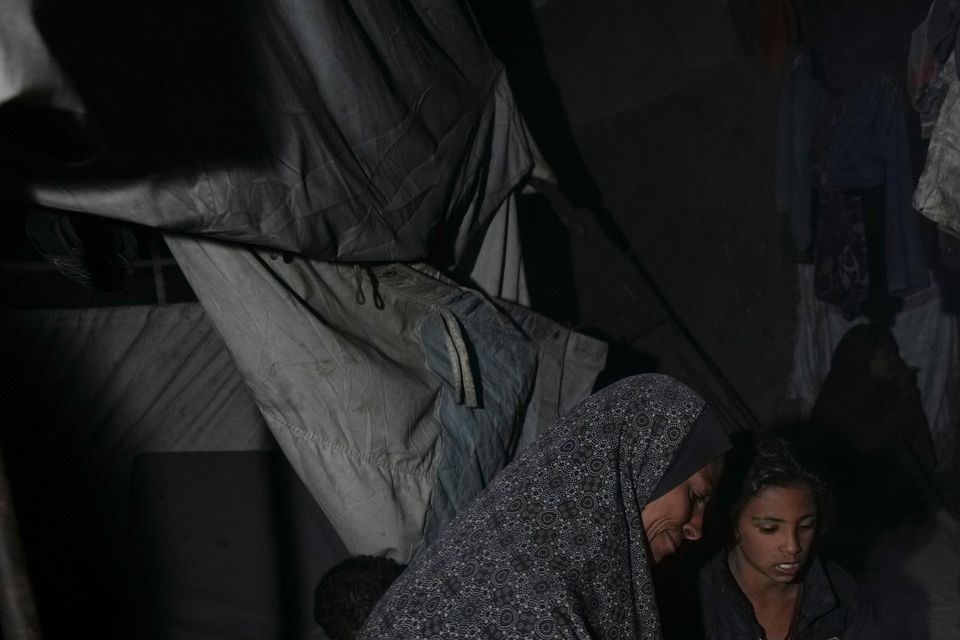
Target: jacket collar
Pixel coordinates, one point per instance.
(818, 596)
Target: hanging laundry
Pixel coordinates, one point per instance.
(861, 143)
(842, 136)
(841, 271)
(938, 192)
(931, 44)
(801, 99)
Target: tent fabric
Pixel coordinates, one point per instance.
(107, 384)
(225, 546)
(395, 393)
(85, 392)
(28, 70)
(928, 338)
(127, 380)
(498, 268)
(350, 130)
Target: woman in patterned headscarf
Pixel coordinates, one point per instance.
(560, 544)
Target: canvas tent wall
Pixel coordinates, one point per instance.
(342, 131)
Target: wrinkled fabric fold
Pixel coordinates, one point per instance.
(350, 130)
(395, 415)
(937, 195)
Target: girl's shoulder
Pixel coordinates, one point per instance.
(840, 578)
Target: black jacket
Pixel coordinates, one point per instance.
(831, 607)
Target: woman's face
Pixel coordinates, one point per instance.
(678, 514)
(774, 534)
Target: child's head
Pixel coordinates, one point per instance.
(769, 463)
(776, 512)
(348, 592)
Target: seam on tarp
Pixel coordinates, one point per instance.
(353, 453)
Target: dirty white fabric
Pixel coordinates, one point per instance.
(396, 394)
(928, 339)
(493, 261)
(29, 72)
(127, 380)
(937, 195)
(498, 268)
(104, 385)
(344, 130)
(86, 393)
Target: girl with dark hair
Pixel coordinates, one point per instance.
(768, 582)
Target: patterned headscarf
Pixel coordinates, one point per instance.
(555, 547)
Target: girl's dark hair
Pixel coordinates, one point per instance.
(759, 461)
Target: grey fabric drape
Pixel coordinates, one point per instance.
(396, 394)
(344, 130)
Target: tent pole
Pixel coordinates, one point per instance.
(18, 612)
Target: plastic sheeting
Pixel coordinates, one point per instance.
(226, 546)
(396, 394)
(928, 339)
(28, 70)
(351, 130)
(937, 196)
(116, 382)
(85, 392)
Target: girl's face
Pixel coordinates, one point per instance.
(774, 534)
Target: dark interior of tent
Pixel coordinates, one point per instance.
(290, 281)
